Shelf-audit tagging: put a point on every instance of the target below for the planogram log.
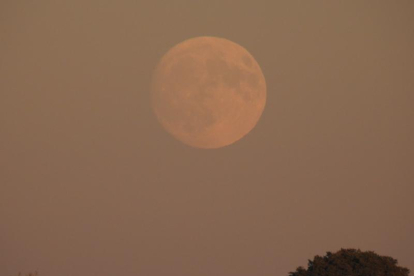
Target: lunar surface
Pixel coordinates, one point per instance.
(208, 92)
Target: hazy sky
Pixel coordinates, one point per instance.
(90, 183)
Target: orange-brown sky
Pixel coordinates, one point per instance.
(90, 183)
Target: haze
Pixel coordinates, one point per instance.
(91, 184)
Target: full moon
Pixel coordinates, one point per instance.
(208, 92)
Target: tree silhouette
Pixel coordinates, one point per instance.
(351, 262)
(30, 274)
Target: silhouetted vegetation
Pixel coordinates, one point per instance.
(30, 274)
(351, 262)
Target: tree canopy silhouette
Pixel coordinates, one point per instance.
(351, 262)
(30, 274)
